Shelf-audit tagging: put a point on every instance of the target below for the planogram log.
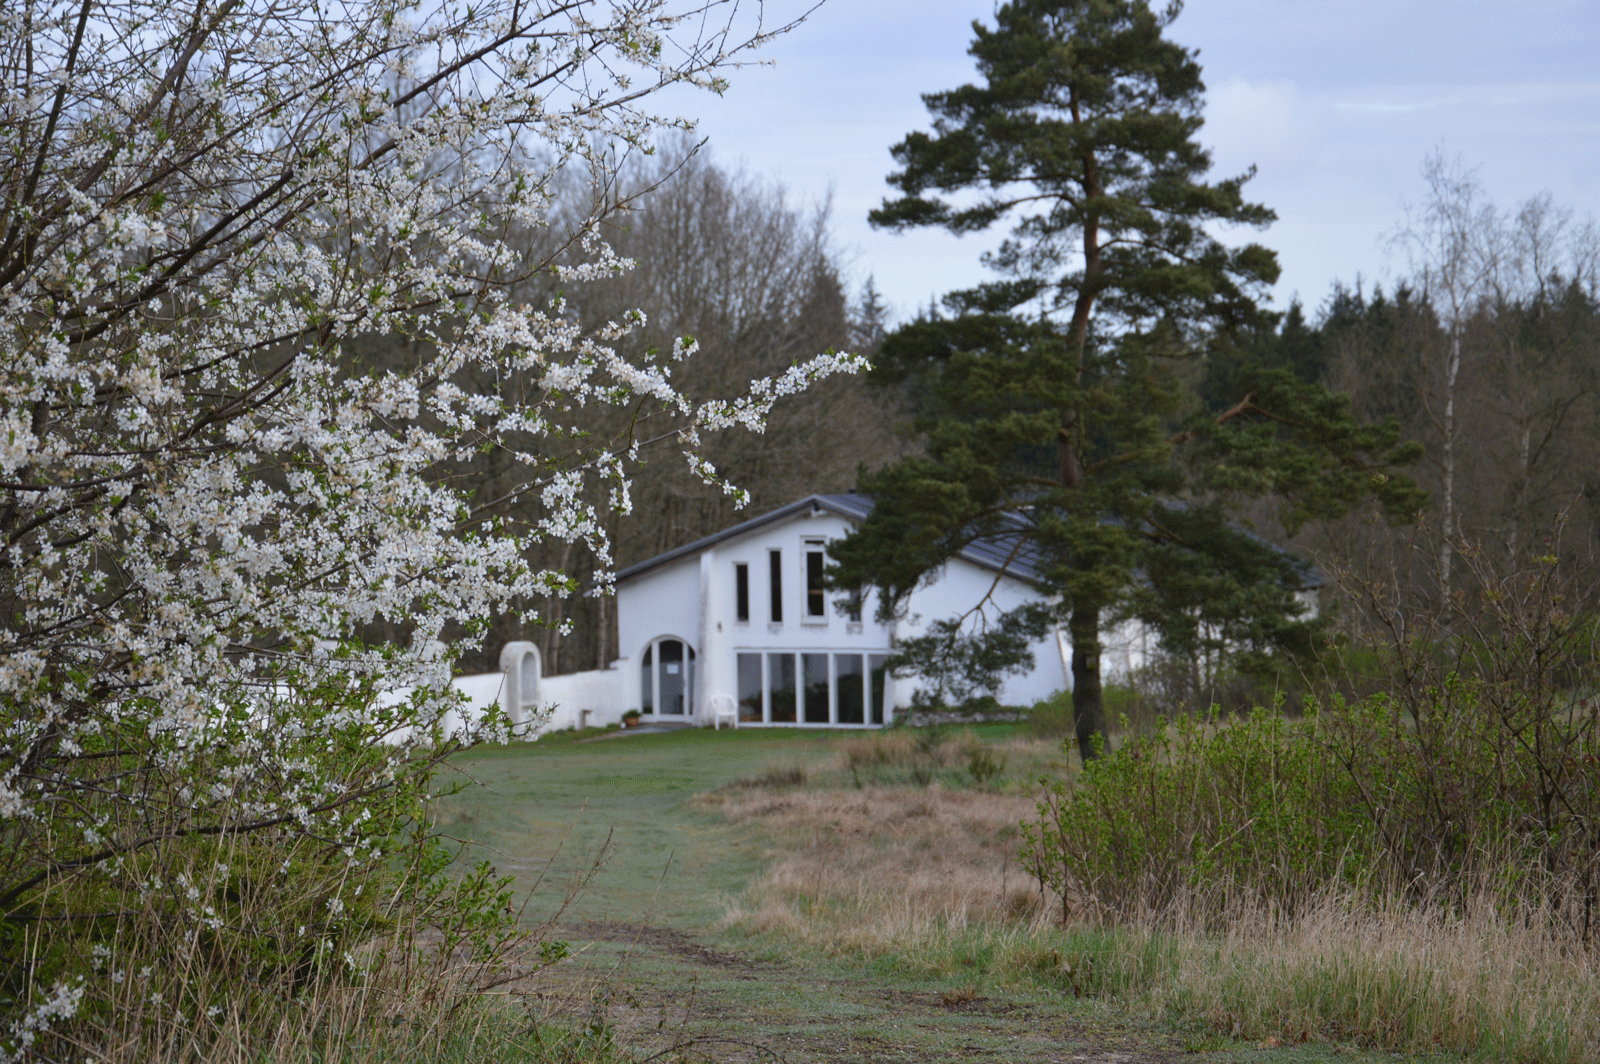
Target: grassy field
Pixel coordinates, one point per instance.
(737, 915)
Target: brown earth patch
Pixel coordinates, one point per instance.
(665, 939)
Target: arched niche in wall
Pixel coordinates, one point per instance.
(519, 696)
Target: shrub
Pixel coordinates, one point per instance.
(1480, 765)
(1052, 718)
(1215, 805)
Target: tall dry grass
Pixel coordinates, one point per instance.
(927, 880)
(220, 962)
(861, 870)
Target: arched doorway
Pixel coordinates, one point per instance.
(666, 678)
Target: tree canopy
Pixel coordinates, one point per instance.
(1066, 392)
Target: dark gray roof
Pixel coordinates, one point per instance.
(1007, 552)
(1000, 554)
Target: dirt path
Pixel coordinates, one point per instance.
(662, 991)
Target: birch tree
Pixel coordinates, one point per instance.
(1451, 243)
(1541, 375)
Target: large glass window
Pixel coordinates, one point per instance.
(780, 688)
(814, 668)
(666, 678)
(877, 670)
(812, 687)
(849, 684)
(750, 687)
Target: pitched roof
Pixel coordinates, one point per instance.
(1008, 552)
(1001, 554)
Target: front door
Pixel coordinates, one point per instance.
(668, 675)
(672, 678)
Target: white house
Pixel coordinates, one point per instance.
(740, 622)
(743, 614)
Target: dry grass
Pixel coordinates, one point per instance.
(927, 879)
(866, 869)
(1503, 986)
(924, 754)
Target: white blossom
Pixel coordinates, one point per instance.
(208, 479)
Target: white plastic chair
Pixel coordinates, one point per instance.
(723, 707)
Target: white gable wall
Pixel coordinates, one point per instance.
(959, 587)
(694, 599)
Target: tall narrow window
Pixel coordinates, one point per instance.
(814, 691)
(775, 563)
(780, 688)
(853, 607)
(741, 591)
(849, 686)
(647, 681)
(878, 678)
(816, 597)
(749, 687)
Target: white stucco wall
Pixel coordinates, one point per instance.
(960, 586)
(694, 599)
(599, 692)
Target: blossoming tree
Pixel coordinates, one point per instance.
(206, 489)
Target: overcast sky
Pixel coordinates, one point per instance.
(1336, 102)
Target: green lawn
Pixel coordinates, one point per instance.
(652, 965)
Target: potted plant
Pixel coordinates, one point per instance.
(630, 719)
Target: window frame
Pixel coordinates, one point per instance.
(814, 547)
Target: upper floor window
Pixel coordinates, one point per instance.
(775, 567)
(816, 594)
(741, 591)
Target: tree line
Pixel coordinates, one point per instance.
(1126, 359)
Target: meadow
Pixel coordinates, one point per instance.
(804, 896)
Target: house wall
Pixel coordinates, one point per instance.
(959, 587)
(695, 599)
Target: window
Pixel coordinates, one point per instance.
(877, 670)
(815, 670)
(849, 683)
(647, 683)
(816, 596)
(750, 688)
(775, 563)
(852, 607)
(780, 688)
(666, 678)
(741, 591)
(812, 687)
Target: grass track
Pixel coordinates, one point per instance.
(653, 965)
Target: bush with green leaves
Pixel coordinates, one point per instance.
(1209, 805)
(1478, 769)
(308, 859)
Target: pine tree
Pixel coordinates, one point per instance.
(1065, 391)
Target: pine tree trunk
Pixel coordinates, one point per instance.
(1088, 698)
